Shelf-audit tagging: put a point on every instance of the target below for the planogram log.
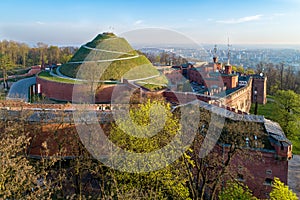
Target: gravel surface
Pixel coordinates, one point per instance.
(294, 175)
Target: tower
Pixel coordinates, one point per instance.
(228, 53)
(228, 67)
(215, 58)
(259, 89)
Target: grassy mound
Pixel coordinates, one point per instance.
(154, 84)
(47, 76)
(103, 53)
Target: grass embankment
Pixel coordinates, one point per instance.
(133, 68)
(268, 111)
(154, 84)
(47, 76)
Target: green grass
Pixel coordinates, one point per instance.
(135, 68)
(105, 42)
(160, 80)
(266, 110)
(47, 76)
(154, 84)
(153, 87)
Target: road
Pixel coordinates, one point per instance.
(294, 175)
(20, 89)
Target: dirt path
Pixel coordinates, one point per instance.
(294, 175)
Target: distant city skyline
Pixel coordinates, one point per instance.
(262, 22)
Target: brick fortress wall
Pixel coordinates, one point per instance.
(64, 91)
(260, 85)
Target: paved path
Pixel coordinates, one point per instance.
(294, 174)
(20, 89)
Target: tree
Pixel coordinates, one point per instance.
(207, 174)
(24, 48)
(273, 82)
(260, 67)
(240, 69)
(250, 71)
(281, 191)
(5, 65)
(42, 48)
(236, 191)
(53, 54)
(288, 111)
(167, 182)
(19, 177)
(281, 71)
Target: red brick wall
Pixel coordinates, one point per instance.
(195, 76)
(263, 165)
(230, 81)
(64, 91)
(256, 167)
(181, 97)
(260, 83)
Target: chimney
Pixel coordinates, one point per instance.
(228, 69)
(215, 58)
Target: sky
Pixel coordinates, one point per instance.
(74, 22)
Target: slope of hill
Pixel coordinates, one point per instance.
(112, 56)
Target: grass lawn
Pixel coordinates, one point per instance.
(268, 110)
(154, 84)
(46, 75)
(153, 87)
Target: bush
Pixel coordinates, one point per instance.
(281, 191)
(236, 191)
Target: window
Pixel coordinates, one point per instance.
(281, 146)
(269, 171)
(240, 177)
(268, 181)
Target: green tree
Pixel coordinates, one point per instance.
(236, 191)
(169, 181)
(234, 68)
(53, 54)
(250, 71)
(240, 69)
(281, 191)
(5, 65)
(288, 111)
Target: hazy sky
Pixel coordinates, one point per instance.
(71, 22)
